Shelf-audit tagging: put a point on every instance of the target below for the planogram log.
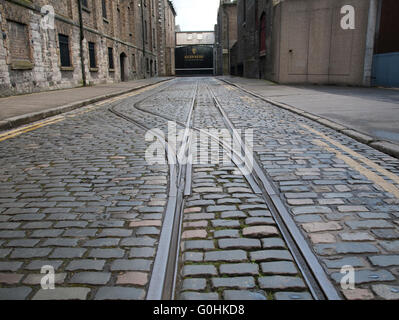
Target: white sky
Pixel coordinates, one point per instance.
(196, 15)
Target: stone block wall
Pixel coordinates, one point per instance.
(41, 70)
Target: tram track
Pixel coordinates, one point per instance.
(162, 284)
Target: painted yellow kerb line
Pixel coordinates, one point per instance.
(389, 187)
(363, 159)
(17, 132)
(14, 133)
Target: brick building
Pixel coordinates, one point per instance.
(303, 41)
(120, 42)
(225, 35)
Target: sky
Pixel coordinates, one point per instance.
(196, 15)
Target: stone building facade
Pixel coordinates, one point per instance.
(40, 51)
(166, 38)
(304, 41)
(225, 35)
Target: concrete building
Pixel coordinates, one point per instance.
(309, 41)
(41, 47)
(225, 35)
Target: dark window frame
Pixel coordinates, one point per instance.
(104, 9)
(92, 55)
(262, 34)
(65, 51)
(26, 36)
(111, 64)
(85, 4)
(146, 32)
(244, 11)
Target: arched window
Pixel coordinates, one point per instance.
(262, 34)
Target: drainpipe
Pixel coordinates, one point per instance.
(228, 38)
(143, 36)
(370, 41)
(82, 61)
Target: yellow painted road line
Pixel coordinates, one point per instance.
(363, 159)
(89, 108)
(389, 187)
(31, 128)
(12, 132)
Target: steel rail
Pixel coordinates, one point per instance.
(312, 271)
(314, 275)
(164, 271)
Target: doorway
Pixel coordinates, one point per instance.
(123, 64)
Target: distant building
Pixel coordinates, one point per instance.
(225, 36)
(194, 52)
(195, 38)
(313, 41)
(40, 43)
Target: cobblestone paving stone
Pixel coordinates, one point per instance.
(227, 251)
(78, 195)
(347, 218)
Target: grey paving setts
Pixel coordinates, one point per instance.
(222, 265)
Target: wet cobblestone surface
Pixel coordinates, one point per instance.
(331, 189)
(79, 195)
(231, 248)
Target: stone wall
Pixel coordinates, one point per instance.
(166, 38)
(121, 30)
(225, 36)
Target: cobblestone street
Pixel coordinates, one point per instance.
(78, 194)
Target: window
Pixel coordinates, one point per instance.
(262, 34)
(85, 4)
(134, 62)
(153, 38)
(92, 55)
(111, 58)
(19, 42)
(145, 32)
(148, 65)
(65, 56)
(244, 11)
(104, 5)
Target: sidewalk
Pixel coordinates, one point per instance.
(22, 109)
(369, 115)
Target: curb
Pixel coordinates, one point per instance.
(384, 146)
(15, 122)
